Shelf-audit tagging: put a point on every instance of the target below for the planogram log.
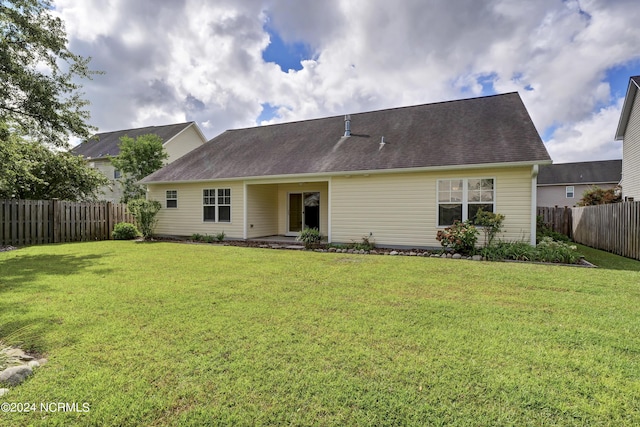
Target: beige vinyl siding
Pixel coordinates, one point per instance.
(401, 209)
(631, 154)
(262, 212)
(305, 187)
(183, 143)
(187, 218)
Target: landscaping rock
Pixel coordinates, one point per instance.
(477, 258)
(455, 256)
(393, 253)
(15, 375)
(3, 391)
(33, 364)
(412, 254)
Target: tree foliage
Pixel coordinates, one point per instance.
(30, 170)
(598, 196)
(39, 92)
(145, 211)
(138, 158)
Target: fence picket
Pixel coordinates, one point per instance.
(33, 222)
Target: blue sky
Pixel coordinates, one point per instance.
(251, 62)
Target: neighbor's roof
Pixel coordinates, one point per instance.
(632, 89)
(599, 172)
(487, 130)
(106, 144)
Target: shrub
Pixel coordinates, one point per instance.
(208, 239)
(196, 237)
(311, 237)
(544, 230)
(145, 211)
(367, 243)
(491, 224)
(546, 251)
(549, 250)
(460, 237)
(125, 231)
(597, 196)
(220, 236)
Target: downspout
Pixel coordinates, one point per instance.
(329, 211)
(534, 202)
(245, 209)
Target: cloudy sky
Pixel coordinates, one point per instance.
(238, 63)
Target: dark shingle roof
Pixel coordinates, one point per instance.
(600, 172)
(106, 143)
(486, 130)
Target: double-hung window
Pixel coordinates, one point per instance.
(216, 204)
(172, 198)
(461, 198)
(570, 191)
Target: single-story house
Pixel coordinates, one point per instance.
(178, 139)
(562, 184)
(396, 175)
(629, 132)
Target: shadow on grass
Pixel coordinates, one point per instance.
(22, 272)
(608, 261)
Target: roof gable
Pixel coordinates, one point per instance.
(598, 172)
(106, 144)
(486, 130)
(632, 89)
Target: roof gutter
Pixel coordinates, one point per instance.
(317, 175)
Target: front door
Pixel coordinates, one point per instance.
(304, 211)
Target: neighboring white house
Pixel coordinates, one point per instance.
(178, 139)
(629, 132)
(563, 184)
(397, 175)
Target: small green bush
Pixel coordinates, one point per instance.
(367, 244)
(544, 230)
(220, 236)
(197, 237)
(491, 224)
(145, 211)
(461, 237)
(547, 250)
(125, 231)
(311, 237)
(208, 239)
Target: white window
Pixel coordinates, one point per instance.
(172, 198)
(216, 204)
(461, 198)
(570, 191)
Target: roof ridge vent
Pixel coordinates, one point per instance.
(347, 125)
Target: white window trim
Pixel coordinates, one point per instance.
(465, 196)
(573, 191)
(218, 205)
(166, 199)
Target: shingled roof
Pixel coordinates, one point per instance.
(632, 90)
(477, 131)
(598, 172)
(106, 143)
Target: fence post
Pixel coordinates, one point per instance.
(110, 219)
(55, 220)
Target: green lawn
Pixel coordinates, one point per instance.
(174, 334)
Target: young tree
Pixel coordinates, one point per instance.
(39, 92)
(31, 170)
(138, 158)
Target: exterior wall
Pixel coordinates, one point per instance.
(186, 141)
(187, 218)
(555, 195)
(631, 154)
(401, 209)
(114, 193)
(262, 210)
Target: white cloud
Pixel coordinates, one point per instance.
(196, 60)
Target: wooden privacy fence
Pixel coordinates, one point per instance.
(33, 222)
(559, 219)
(614, 228)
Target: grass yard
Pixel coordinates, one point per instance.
(171, 334)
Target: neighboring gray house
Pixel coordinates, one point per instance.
(563, 184)
(629, 132)
(178, 139)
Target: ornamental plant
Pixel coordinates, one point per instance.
(491, 224)
(311, 237)
(460, 237)
(145, 211)
(125, 231)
